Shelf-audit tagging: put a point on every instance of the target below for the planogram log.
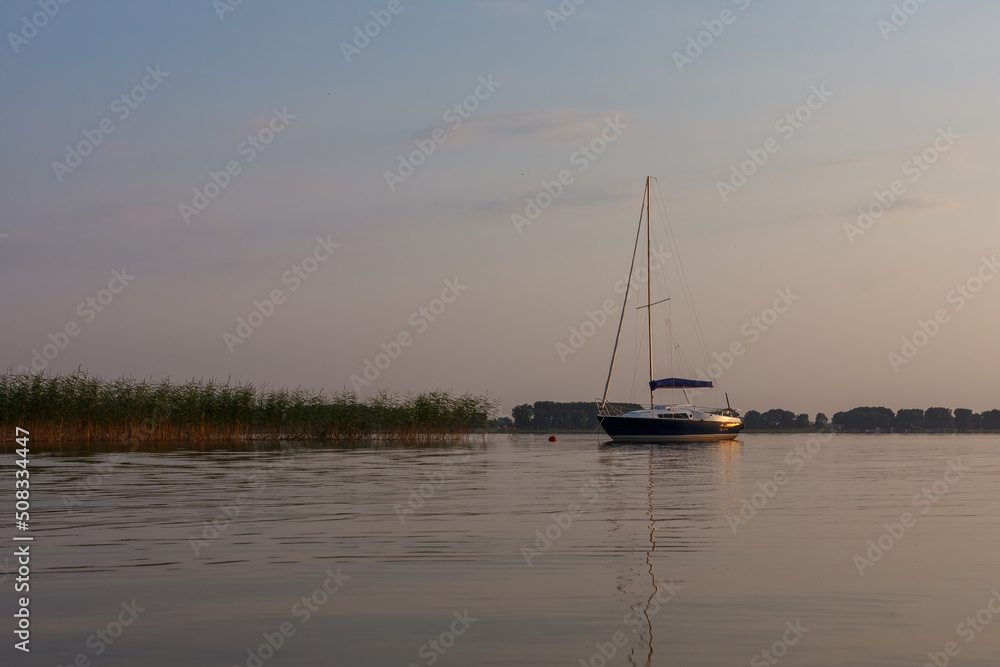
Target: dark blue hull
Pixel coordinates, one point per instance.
(645, 429)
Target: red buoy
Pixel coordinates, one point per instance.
(552, 438)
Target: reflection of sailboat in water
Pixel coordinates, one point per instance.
(662, 548)
(660, 555)
(649, 565)
(647, 594)
(675, 422)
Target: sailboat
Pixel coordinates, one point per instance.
(677, 422)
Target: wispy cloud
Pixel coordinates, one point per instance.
(905, 207)
(920, 205)
(561, 125)
(569, 125)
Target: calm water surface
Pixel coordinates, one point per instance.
(549, 553)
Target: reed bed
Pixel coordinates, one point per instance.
(81, 408)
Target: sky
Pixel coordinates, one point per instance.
(168, 169)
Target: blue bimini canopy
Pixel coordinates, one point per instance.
(679, 383)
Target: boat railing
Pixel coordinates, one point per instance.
(610, 409)
(724, 412)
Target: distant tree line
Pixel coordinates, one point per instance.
(551, 416)
(881, 420)
(780, 420)
(935, 420)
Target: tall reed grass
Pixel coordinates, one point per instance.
(81, 407)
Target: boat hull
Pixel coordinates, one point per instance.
(646, 429)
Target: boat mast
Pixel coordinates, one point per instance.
(649, 298)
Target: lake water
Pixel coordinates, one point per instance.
(517, 553)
